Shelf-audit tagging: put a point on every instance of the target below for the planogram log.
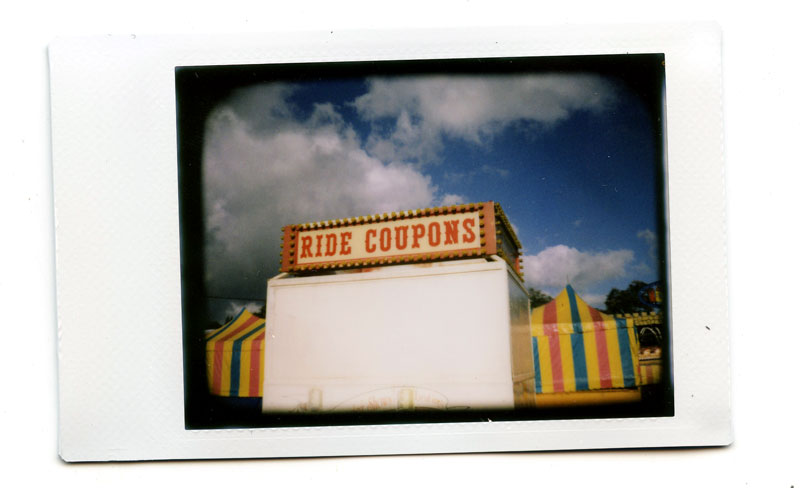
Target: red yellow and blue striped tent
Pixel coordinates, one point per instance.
(235, 357)
(578, 348)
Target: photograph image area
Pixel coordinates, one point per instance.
(424, 241)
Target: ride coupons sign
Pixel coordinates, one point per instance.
(432, 234)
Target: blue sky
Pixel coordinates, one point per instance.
(570, 157)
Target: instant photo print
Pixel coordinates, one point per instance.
(376, 243)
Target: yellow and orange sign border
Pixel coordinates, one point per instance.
(493, 227)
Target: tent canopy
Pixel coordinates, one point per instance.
(235, 357)
(578, 348)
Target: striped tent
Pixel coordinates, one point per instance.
(578, 348)
(235, 357)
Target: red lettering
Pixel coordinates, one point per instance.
(319, 245)
(346, 236)
(451, 232)
(401, 244)
(330, 244)
(434, 234)
(370, 247)
(386, 239)
(469, 225)
(418, 232)
(306, 247)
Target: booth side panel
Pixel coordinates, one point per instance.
(521, 348)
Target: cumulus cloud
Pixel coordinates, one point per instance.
(556, 266)
(234, 307)
(420, 111)
(451, 199)
(594, 299)
(652, 242)
(264, 168)
(646, 266)
(495, 171)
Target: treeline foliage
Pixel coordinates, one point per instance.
(538, 297)
(262, 312)
(627, 300)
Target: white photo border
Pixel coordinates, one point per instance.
(113, 111)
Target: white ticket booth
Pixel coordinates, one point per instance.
(443, 335)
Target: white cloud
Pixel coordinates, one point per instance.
(263, 169)
(424, 109)
(594, 299)
(452, 199)
(652, 242)
(646, 266)
(641, 269)
(556, 266)
(495, 171)
(234, 307)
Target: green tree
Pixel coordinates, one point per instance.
(538, 297)
(627, 300)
